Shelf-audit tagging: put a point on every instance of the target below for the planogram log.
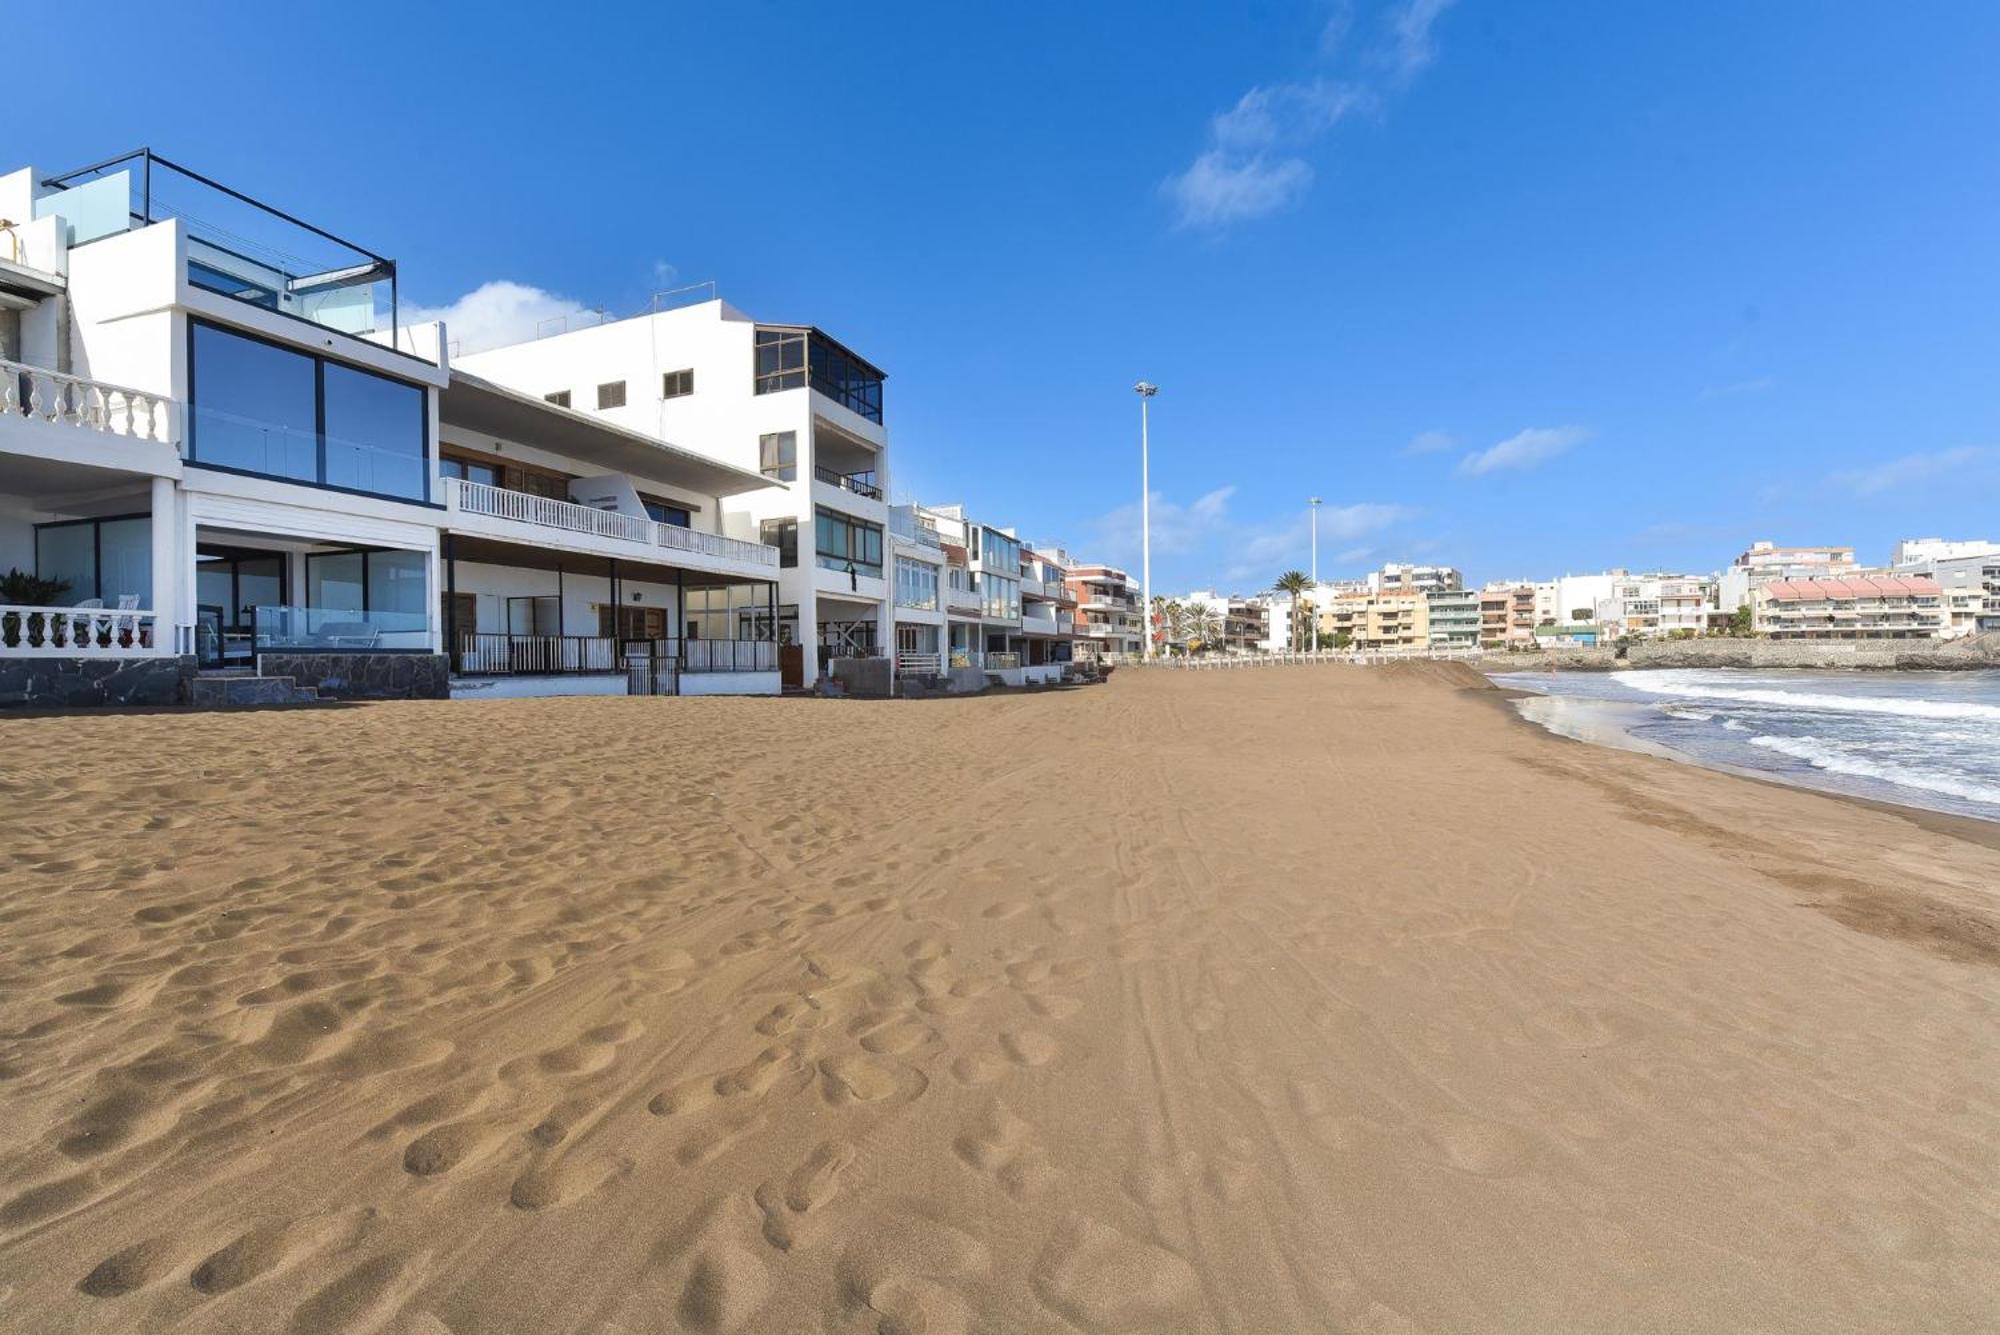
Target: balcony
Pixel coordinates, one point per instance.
(861, 484)
(53, 408)
(520, 516)
(963, 600)
(237, 246)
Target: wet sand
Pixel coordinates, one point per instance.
(1273, 1000)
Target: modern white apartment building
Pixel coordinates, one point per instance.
(1855, 607)
(1405, 578)
(918, 579)
(217, 442)
(1109, 621)
(1656, 606)
(1765, 561)
(785, 402)
(1914, 552)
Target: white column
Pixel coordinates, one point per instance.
(167, 559)
(435, 581)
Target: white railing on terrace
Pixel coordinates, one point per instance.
(918, 665)
(498, 502)
(85, 632)
(68, 400)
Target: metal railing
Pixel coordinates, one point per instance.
(699, 655)
(1281, 658)
(480, 498)
(861, 484)
(80, 632)
(500, 654)
(96, 405)
(918, 665)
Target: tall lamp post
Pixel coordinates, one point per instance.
(1145, 391)
(1314, 503)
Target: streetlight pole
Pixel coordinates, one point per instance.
(1145, 391)
(1314, 503)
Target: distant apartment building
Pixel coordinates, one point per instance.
(1926, 551)
(1967, 575)
(1246, 624)
(1378, 621)
(1404, 578)
(1108, 621)
(1508, 614)
(1766, 561)
(1656, 606)
(918, 579)
(1853, 607)
(1454, 617)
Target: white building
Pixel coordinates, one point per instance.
(1404, 578)
(784, 401)
(1766, 561)
(1656, 606)
(234, 459)
(1912, 553)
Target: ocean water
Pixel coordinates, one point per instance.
(1924, 739)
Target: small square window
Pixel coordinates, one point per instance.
(560, 398)
(611, 395)
(677, 384)
(778, 455)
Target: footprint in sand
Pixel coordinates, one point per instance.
(364, 1298)
(900, 1272)
(592, 1051)
(131, 1268)
(1028, 1047)
(443, 1148)
(1100, 1279)
(1003, 1146)
(787, 1201)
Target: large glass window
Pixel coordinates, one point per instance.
(1000, 552)
(374, 433)
(842, 543)
(778, 455)
(266, 409)
(337, 581)
(106, 559)
(781, 360)
(784, 535)
(469, 470)
(396, 581)
(916, 584)
(1002, 596)
(256, 406)
(846, 379)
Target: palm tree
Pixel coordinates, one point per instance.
(1167, 613)
(1296, 583)
(1202, 625)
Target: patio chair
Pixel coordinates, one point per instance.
(349, 635)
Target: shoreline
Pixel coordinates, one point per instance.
(1976, 829)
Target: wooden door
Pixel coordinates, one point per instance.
(791, 665)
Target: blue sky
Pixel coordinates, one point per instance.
(1526, 288)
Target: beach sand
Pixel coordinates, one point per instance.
(1273, 1000)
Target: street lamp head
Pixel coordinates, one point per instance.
(1312, 500)
(1145, 389)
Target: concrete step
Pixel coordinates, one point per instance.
(234, 691)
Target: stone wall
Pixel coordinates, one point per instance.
(87, 683)
(1980, 652)
(364, 676)
(1594, 659)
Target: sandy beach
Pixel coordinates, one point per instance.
(1278, 1000)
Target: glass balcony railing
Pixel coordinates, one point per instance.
(337, 630)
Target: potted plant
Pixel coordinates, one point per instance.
(18, 588)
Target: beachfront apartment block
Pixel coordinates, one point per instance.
(1853, 607)
(1968, 579)
(786, 402)
(919, 579)
(1109, 624)
(1508, 615)
(1454, 618)
(230, 460)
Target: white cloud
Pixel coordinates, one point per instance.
(1525, 449)
(495, 314)
(1218, 189)
(1411, 47)
(1250, 166)
(1177, 528)
(1913, 468)
(1430, 442)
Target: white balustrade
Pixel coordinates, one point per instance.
(80, 632)
(94, 405)
(500, 503)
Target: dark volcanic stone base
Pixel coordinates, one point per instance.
(86, 683)
(364, 676)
